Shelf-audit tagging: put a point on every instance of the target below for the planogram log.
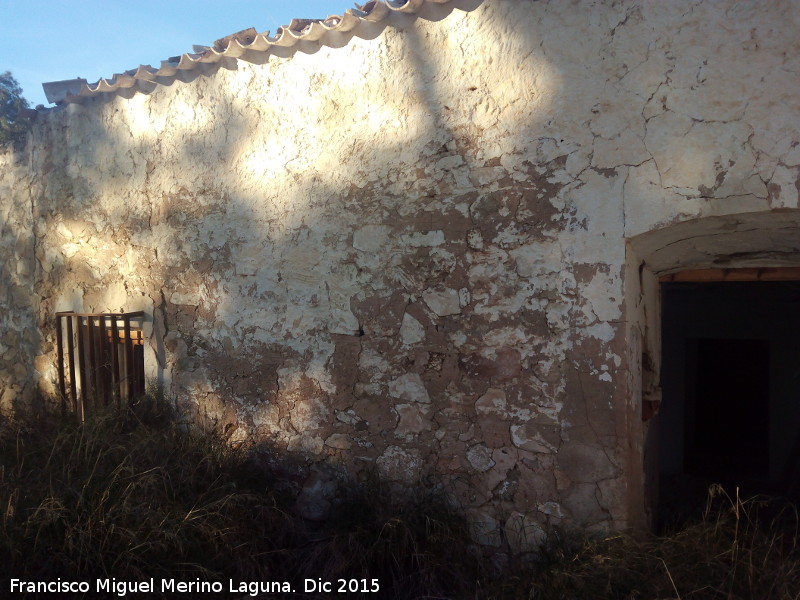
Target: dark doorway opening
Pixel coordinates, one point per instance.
(726, 422)
(730, 381)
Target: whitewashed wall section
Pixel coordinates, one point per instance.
(408, 253)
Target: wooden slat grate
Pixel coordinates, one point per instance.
(100, 359)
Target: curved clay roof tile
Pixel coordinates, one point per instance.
(234, 45)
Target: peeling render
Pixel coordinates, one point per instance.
(428, 253)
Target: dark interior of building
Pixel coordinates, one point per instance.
(730, 381)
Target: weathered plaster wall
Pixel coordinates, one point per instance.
(408, 253)
(19, 337)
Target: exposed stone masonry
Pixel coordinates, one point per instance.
(408, 254)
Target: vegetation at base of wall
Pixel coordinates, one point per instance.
(133, 495)
(738, 550)
(13, 126)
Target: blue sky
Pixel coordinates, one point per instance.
(50, 40)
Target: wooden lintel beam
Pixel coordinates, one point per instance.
(744, 274)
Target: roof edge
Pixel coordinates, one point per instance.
(234, 46)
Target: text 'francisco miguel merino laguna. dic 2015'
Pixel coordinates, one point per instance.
(123, 588)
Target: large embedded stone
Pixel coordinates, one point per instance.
(413, 419)
(480, 457)
(411, 330)
(443, 301)
(409, 387)
(398, 464)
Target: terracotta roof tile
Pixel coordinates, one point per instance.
(234, 45)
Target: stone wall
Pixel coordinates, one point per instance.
(408, 253)
(19, 336)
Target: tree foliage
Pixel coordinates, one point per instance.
(12, 124)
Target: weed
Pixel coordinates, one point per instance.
(132, 495)
(740, 549)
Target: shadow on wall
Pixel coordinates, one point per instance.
(19, 337)
(375, 284)
(423, 273)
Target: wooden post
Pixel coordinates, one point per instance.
(115, 373)
(71, 351)
(103, 367)
(128, 356)
(82, 369)
(62, 387)
(94, 371)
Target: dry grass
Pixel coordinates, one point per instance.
(128, 498)
(134, 496)
(739, 550)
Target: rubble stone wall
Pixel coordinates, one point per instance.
(408, 254)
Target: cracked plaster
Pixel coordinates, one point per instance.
(409, 252)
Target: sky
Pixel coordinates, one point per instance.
(51, 40)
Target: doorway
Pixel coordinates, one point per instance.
(726, 420)
(730, 381)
